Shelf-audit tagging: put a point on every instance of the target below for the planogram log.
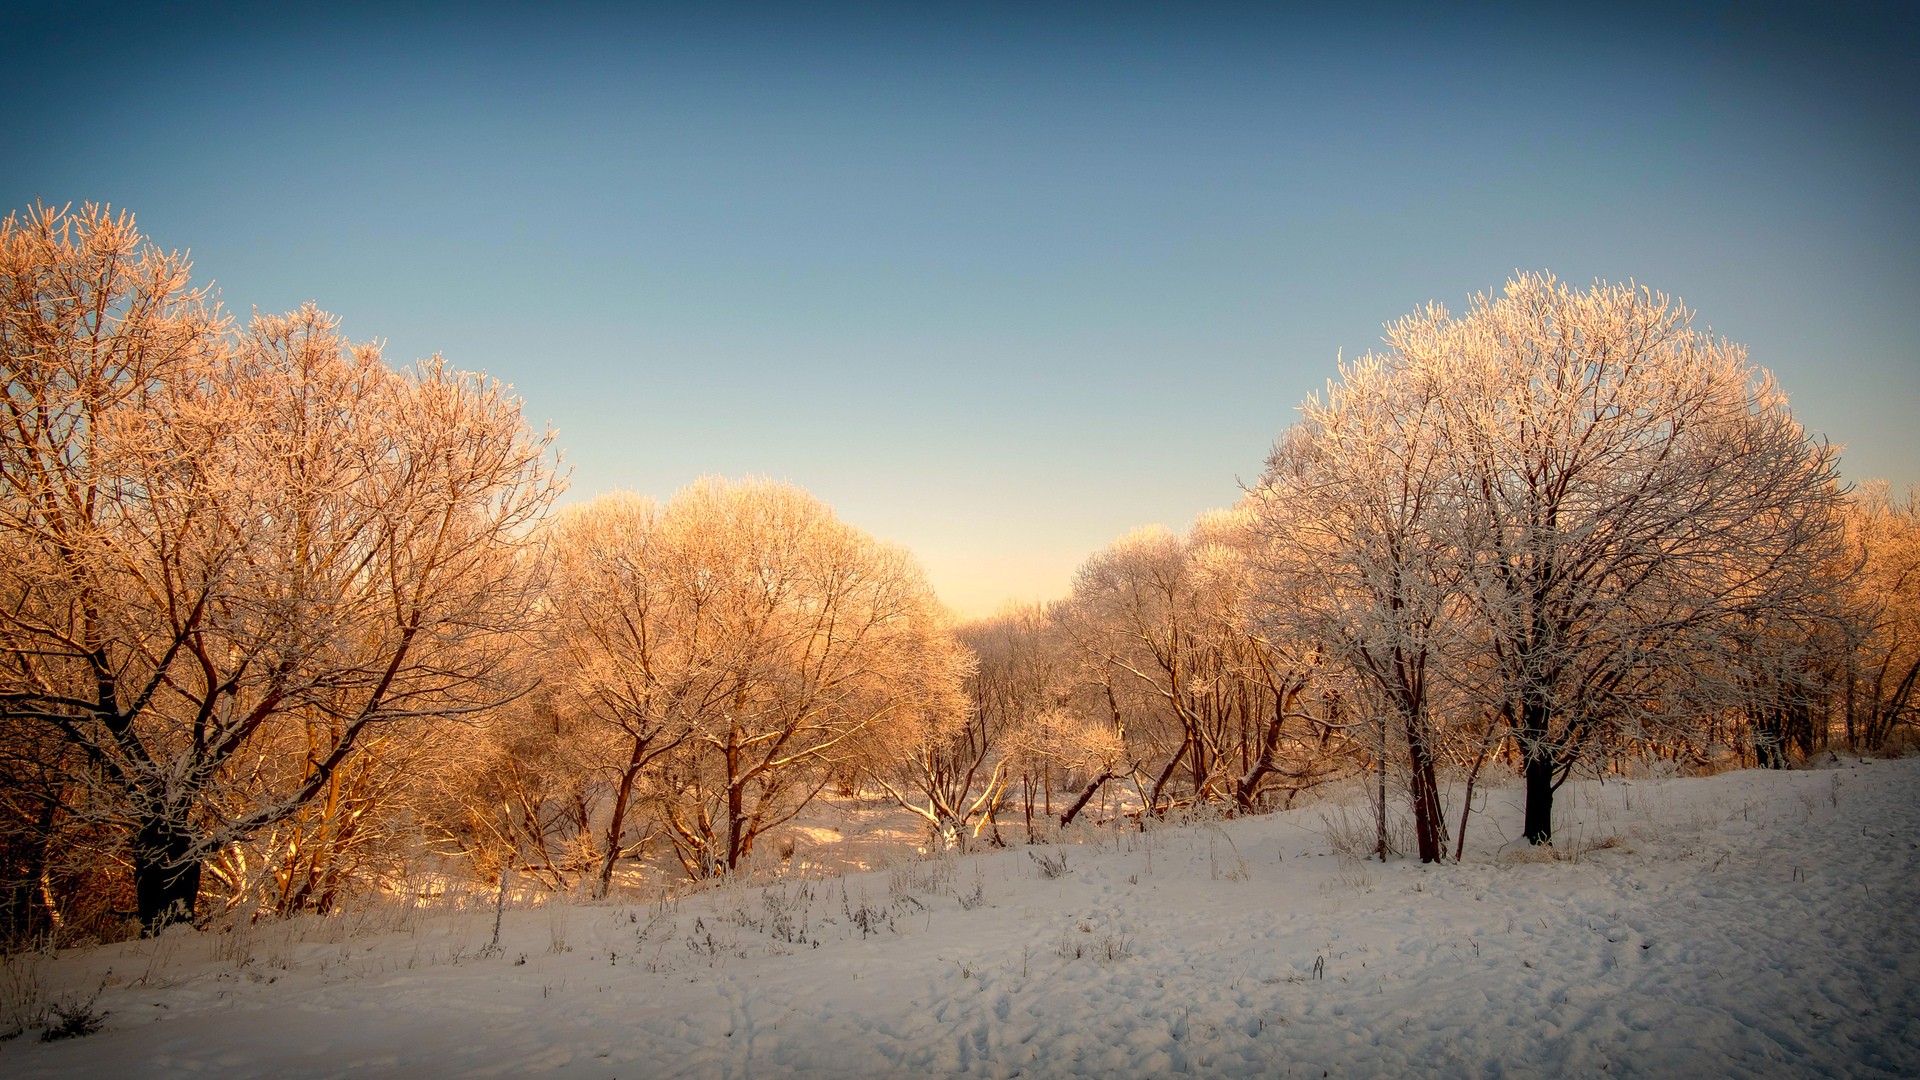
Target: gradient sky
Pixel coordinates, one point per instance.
(997, 284)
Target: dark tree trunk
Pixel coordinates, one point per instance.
(1800, 727)
(736, 804)
(1262, 764)
(27, 912)
(1537, 765)
(1768, 752)
(1380, 796)
(1153, 797)
(1429, 823)
(22, 915)
(1249, 786)
(1026, 790)
(1539, 773)
(737, 838)
(166, 882)
(618, 823)
(1085, 798)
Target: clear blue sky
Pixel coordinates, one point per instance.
(998, 285)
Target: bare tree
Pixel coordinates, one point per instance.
(1587, 490)
(757, 643)
(1629, 485)
(1883, 682)
(223, 541)
(1209, 700)
(521, 789)
(959, 777)
(635, 625)
(1360, 555)
(1270, 696)
(1131, 613)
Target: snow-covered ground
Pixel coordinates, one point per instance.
(1748, 924)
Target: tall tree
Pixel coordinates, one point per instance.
(1883, 685)
(1132, 613)
(634, 623)
(1360, 555)
(1211, 702)
(1629, 485)
(746, 643)
(1592, 494)
(225, 544)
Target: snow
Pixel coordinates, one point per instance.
(1746, 924)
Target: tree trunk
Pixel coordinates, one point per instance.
(1537, 765)
(1466, 805)
(1429, 824)
(1853, 742)
(736, 826)
(1769, 741)
(736, 803)
(1249, 785)
(1539, 816)
(1380, 803)
(1153, 797)
(1085, 798)
(166, 882)
(1026, 790)
(618, 824)
(1262, 763)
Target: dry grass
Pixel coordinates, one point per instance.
(1571, 852)
(23, 992)
(1352, 833)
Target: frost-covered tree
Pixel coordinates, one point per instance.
(1132, 614)
(1629, 486)
(1017, 683)
(1360, 554)
(1590, 492)
(958, 778)
(1207, 701)
(1275, 722)
(1883, 683)
(730, 646)
(1050, 729)
(633, 644)
(233, 556)
(764, 644)
(523, 789)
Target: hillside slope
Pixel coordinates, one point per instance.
(1748, 924)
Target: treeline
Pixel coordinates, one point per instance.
(283, 628)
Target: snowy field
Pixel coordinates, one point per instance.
(1748, 924)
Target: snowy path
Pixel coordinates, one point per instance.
(1750, 924)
